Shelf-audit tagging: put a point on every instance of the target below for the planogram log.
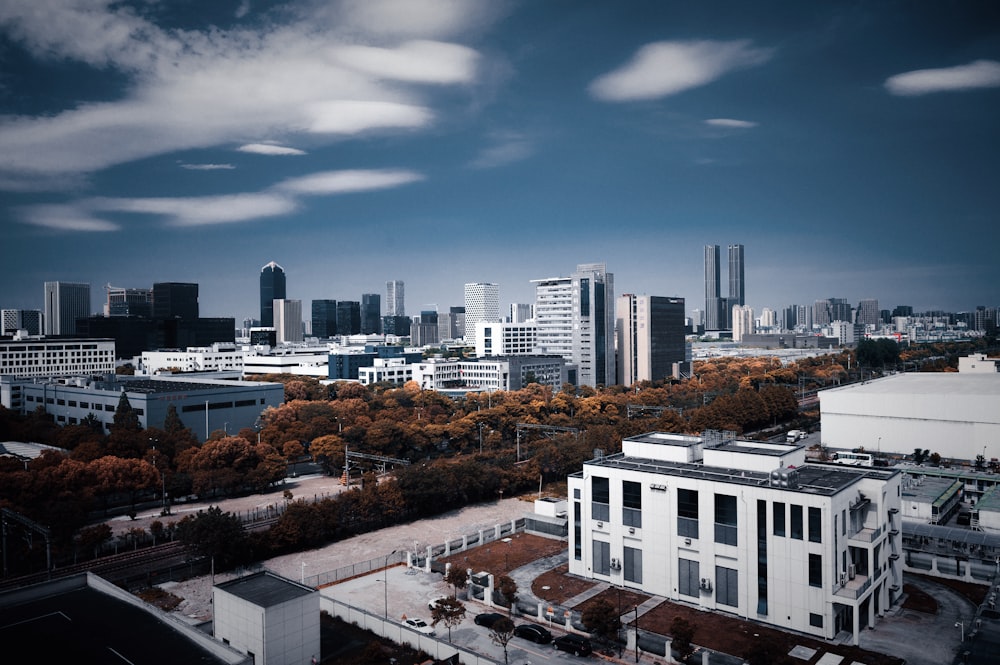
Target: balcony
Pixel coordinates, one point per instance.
(854, 589)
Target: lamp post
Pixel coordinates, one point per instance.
(385, 584)
(961, 627)
(163, 479)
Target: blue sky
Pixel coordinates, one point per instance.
(852, 148)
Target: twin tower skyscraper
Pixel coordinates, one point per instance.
(718, 310)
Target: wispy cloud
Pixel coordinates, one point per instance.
(269, 149)
(730, 122)
(507, 148)
(666, 68)
(65, 218)
(331, 70)
(200, 210)
(973, 76)
(344, 182)
(207, 167)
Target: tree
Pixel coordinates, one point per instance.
(919, 455)
(508, 589)
(458, 578)
(215, 534)
(449, 611)
(682, 633)
(501, 633)
(602, 619)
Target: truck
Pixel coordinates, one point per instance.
(794, 435)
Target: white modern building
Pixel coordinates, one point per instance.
(65, 302)
(220, 357)
(505, 339)
(747, 528)
(395, 300)
(482, 303)
(743, 322)
(575, 316)
(978, 363)
(386, 370)
(956, 415)
(288, 321)
(274, 620)
(842, 331)
(305, 360)
(26, 356)
(489, 374)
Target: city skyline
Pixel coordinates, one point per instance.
(850, 150)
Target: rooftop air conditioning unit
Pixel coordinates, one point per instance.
(851, 571)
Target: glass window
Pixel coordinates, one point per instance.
(762, 557)
(727, 588)
(687, 577)
(725, 519)
(687, 513)
(778, 514)
(816, 570)
(631, 504)
(600, 494)
(633, 565)
(815, 525)
(577, 531)
(815, 620)
(602, 558)
(796, 522)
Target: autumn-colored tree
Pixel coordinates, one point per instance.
(449, 611)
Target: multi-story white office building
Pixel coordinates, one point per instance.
(220, 357)
(65, 302)
(505, 339)
(509, 373)
(743, 322)
(28, 357)
(288, 321)
(651, 340)
(482, 303)
(576, 319)
(743, 527)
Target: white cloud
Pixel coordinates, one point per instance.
(200, 210)
(330, 70)
(65, 218)
(661, 69)
(973, 76)
(730, 122)
(508, 148)
(270, 149)
(206, 167)
(355, 117)
(344, 182)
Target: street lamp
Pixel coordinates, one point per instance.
(385, 583)
(961, 626)
(163, 478)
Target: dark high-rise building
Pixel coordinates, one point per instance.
(713, 302)
(424, 330)
(902, 310)
(175, 300)
(396, 325)
(737, 291)
(348, 317)
(651, 344)
(272, 287)
(371, 313)
(324, 318)
(65, 302)
(128, 302)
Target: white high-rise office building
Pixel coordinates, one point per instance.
(743, 322)
(651, 343)
(394, 303)
(576, 320)
(482, 303)
(288, 321)
(65, 302)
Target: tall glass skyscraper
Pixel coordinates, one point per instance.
(714, 316)
(737, 292)
(324, 318)
(65, 302)
(371, 314)
(272, 287)
(394, 305)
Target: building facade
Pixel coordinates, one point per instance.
(128, 302)
(395, 302)
(506, 339)
(29, 320)
(219, 357)
(65, 302)
(651, 338)
(41, 357)
(737, 285)
(175, 300)
(743, 322)
(324, 318)
(288, 321)
(272, 287)
(482, 303)
(348, 317)
(714, 310)
(746, 528)
(371, 314)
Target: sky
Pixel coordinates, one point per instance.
(853, 148)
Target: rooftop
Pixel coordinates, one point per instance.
(926, 383)
(265, 589)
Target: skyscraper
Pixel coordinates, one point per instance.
(288, 320)
(868, 313)
(348, 317)
(272, 287)
(324, 318)
(175, 300)
(128, 302)
(714, 315)
(651, 345)
(65, 302)
(737, 294)
(371, 313)
(394, 303)
(482, 303)
(743, 322)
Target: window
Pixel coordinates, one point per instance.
(815, 525)
(725, 519)
(602, 558)
(633, 565)
(778, 514)
(687, 513)
(109, 407)
(600, 495)
(816, 570)
(631, 504)
(727, 588)
(796, 522)
(815, 620)
(577, 531)
(762, 557)
(687, 577)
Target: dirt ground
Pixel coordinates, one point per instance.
(500, 558)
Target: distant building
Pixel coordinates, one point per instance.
(219, 357)
(651, 342)
(737, 286)
(65, 302)
(868, 313)
(272, 287)
(288, 320)
(29, 320)
(451, 325)
(424, 330)
(324, 318)
(133, 335)
(714, 310)
(742, 527)
(482, 303)
(175, 300)
(506, 339)
(128, 302)
(371, 314)
(348, 317)
(395, 304)
(743, 322)
(396, 325)
(521, 312)
(490, 374)
(42, 357)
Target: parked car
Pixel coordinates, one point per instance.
(432, 603)
(488, 619)
(419, 625)
(536, 634)
(574, 644)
